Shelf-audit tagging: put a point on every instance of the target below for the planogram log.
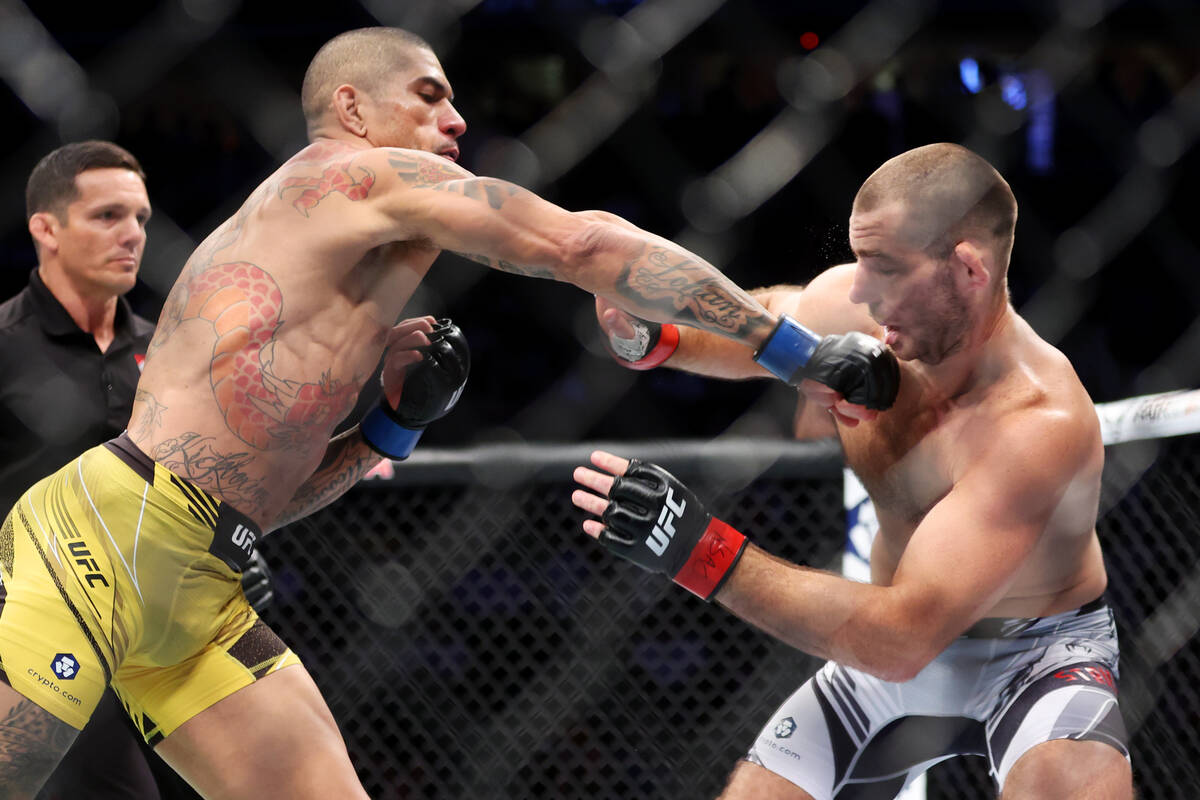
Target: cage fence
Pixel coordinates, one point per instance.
(472, 641)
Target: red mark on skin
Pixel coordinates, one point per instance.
(334, 179)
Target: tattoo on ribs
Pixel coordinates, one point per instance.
(340, 178)
(264, 409)
(149, 415)
(680, 286)
(191, 455)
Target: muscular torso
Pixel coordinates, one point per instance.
(910, 458)
(269, 333)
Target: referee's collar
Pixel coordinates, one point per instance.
(55, 319)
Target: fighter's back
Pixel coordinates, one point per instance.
(271, 329)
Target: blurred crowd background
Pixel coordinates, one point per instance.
(741, 128)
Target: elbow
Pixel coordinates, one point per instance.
(594, 241)
(896, 654)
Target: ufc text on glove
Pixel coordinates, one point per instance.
(657, 523)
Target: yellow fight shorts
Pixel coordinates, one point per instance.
(114, 570)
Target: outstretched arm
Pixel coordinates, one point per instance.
(509, 228)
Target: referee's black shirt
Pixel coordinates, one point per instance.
(59, 395)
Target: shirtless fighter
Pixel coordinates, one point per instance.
(984, 628)
(123, 566)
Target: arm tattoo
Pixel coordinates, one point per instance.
(346, 460)
(434, 172)
(508, 266)
(422, 171)
(684, 288)
(339, 178)
(493, 191)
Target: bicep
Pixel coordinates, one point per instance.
(487, 220)
(966, 552)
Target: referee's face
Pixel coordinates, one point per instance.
(100, 245)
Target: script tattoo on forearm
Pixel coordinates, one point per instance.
(346, 461)
(683, 287)
(191, 455)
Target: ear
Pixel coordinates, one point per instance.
(43, 227)
(976, 266)
(348, 107)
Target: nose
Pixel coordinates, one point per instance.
(133, 233)
(861, 290)
(452, 123)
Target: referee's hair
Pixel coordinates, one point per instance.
(51, 186)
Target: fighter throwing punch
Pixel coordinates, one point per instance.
(983, 630)
(127, 559)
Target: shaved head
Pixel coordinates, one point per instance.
(948, 194)
(362, 58)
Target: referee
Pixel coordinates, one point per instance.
(71, 351)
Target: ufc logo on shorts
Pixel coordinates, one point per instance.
(664, 531)
(244, 538)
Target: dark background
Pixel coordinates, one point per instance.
(205, 93)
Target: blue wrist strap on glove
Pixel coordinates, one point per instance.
(787, 349)
(386, 436)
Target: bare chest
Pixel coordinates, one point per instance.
(906, 458)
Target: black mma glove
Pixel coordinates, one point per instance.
(652, 344)
(431, 388)
(859, 367)
(657, 523)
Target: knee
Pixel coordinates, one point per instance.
(1066, 769)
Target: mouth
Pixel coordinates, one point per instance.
(890, 335)
(450, 154)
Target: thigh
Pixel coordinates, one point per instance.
(1075, 703)
(32, 741)
(273, 738)
(107, 761)
(1067, 769)
(847, 734)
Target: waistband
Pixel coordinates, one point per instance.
(234, 533)
(1013, 627)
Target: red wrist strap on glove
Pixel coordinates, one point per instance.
(712, 559)
(668, 340)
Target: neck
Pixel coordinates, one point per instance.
(970, 365)
(93, 311)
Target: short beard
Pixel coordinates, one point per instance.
(947, 334)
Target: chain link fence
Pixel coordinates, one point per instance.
(471, 641)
